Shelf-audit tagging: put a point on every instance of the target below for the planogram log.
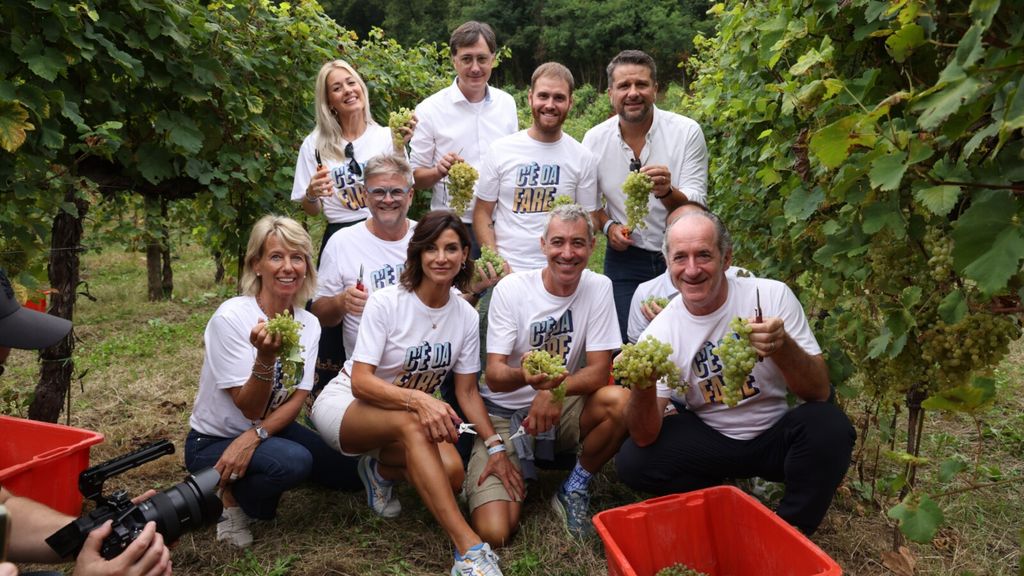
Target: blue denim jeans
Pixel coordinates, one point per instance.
(280, 463)
(627, 270)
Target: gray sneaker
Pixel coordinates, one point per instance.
(480, 562)
(233, 527)
(574, 509)
(380, 497)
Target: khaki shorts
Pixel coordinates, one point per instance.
(492, 489)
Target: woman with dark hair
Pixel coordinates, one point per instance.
(381, 406)
(243, 421)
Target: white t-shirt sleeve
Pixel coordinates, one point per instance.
(373, 330)
(228, 351)
(305, 168)
(329, 278)
(604, 333)
(637, 320)
(586, 190)
(468, 361)
(489, 183)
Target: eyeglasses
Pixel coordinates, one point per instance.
(353, 166)
(380, 193)
(634, 165)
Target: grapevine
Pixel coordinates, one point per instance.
(488, 256)
(461, 178)
(287, 327)
(637, 188)
(679, 569)
(542, 362)
(660, 301)
(940, 249)
(953, 352)
(397, 120)
(738, 358)
(642, 364)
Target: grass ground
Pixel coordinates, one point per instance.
(139, 362)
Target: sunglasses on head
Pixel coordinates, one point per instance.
(380, 193)
(353, 166)
(634, 165)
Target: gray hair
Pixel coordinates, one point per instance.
(724, 240)
(388, 165)
(636, 57)
(571, 213)
(295, 237)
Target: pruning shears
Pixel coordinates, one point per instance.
(758, 316)
(359, 281)
(521, 431)
(319, 163)
(466, 428)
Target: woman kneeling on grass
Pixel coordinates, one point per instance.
(243, 422)
(381, 404)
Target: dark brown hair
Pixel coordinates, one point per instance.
(428, 229)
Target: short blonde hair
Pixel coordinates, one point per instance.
(294, 237)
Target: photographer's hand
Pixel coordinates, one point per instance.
(145, 556)
(8, 569)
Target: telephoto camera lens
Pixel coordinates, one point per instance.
(186, 506)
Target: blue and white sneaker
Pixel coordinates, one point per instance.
(480, 561)
(574, 509)
(379, 496)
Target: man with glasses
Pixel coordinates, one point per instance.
(667, 147)
(32, 522)
(524, 173)
(459, 122)
(369, 255)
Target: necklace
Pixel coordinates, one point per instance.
(435, 315)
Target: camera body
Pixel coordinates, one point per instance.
(185, 506)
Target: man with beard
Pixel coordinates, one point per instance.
(667, 147)
(525, 172)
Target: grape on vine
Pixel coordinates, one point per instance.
(738, 358)
(642, 364)
(461, 179)
(397, 120)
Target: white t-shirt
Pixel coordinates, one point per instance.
(229, 361)
(524, 316)
(350, 249)
(398, 336)
(661, 287)
(525, 176)
(693, 337)
(348, 204)
(674, 141)
(447, 122)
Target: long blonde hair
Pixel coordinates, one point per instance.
(328, 126)
(294, 237)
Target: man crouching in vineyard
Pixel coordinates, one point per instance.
(733, 420)
(549, 346)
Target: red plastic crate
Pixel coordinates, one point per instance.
(42, 461)
(720, 531)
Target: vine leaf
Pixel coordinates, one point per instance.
(919, 517)
(953, 307)
(887, 171)
(13, 125)
(939, 200)
(936, 106)
(949, 468)
(969, 398)
(902, 563)
(904, 41)
(988, 248)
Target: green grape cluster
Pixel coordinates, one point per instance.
(953, 352)
(642, 364)
(738, 358)
(542, 362)
(679, 569)
(461, 178)
(488, 256)
(637, 189)
(561, 200)
(396, 120)
(940, 248)
(660, 301)
(288, 328)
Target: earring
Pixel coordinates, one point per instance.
(463, 264)
(257, 274)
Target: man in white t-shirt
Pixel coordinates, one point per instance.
(562, 309)
(666, 146)
(459, 122)
(525, 172)
(369, 255)
(807, 447)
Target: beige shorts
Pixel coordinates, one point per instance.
(329, 409)
(492, 489)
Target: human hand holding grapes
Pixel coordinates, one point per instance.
(661, 179)
(267, 344)
(652, 306)
(767, 337)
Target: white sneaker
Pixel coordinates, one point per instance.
(380, 497)
(233, 526)
(480, 562)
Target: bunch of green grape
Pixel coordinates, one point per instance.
(288, 328)
(637, 189)
(661, 302)
(461, 178)
(542, 362)
(561, 200)
(679, 569)
(940, 249)
(642, 364)
(488, 256)
(396, 120)
(738, 358)
(954, 352)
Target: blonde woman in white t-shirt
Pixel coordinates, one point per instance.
(381, 406)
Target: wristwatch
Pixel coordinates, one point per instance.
(261, 433)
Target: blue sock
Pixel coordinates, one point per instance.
(470, 549)
(578, 480)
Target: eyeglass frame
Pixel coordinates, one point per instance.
(353, 165)
(382, 193)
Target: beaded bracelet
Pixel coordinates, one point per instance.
(267, 367)
(262, 377)
(495, 449)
